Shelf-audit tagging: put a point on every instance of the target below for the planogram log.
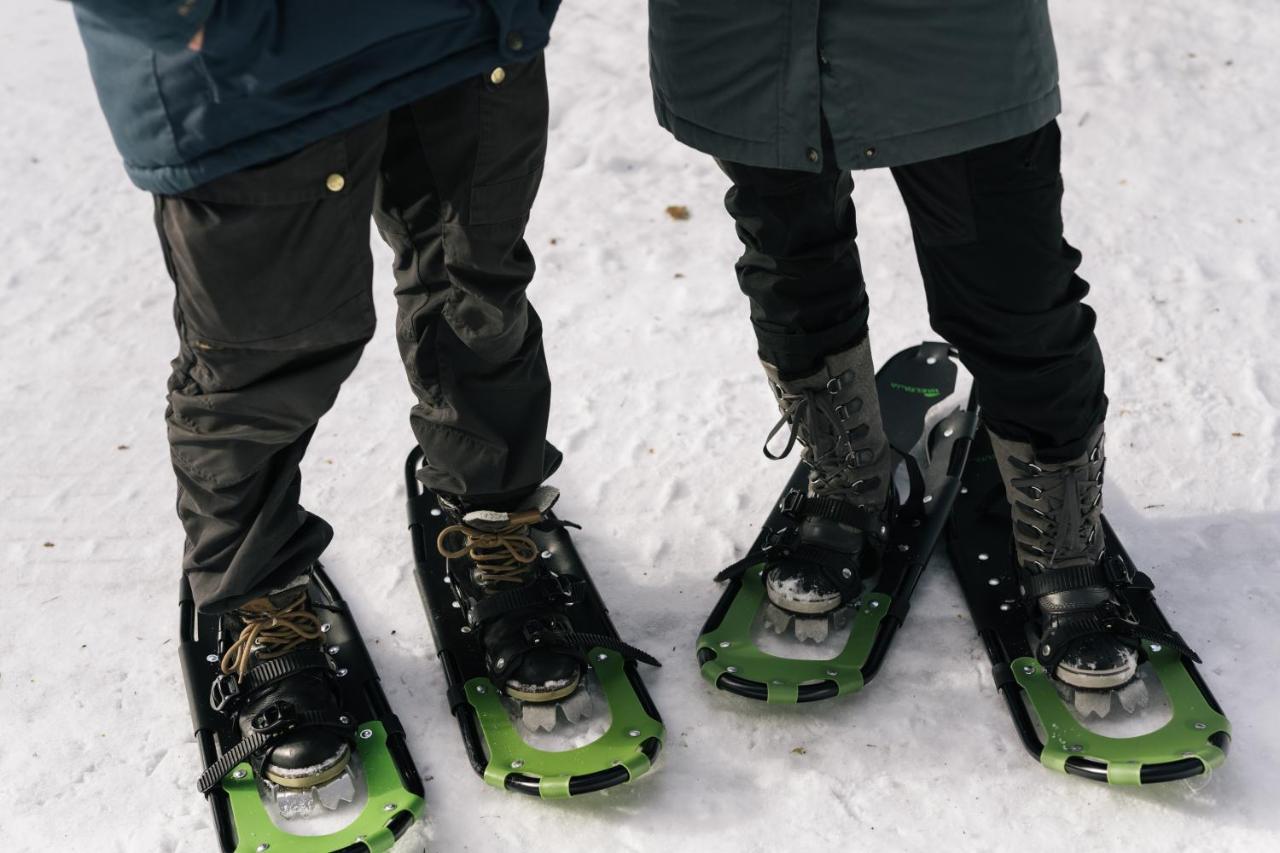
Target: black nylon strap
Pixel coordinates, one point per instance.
(276, 669)
(260, 741)
(1065, 580)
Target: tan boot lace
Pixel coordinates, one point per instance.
(270, 631)
(499, 556)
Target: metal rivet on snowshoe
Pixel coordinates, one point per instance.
(1004, 606)
(333, 650)
(993, 581)
(324, 628)
(904, 547)
(365, 734)
(389, 807)
(1046, 650)
(846, 573)
(502, 662)
(1199, 726)
(1028, 670)
(964, 490)
(984, 557)
(435, 511)
(1074, 747)
(480, 688)
(211, 658)
(948, 432)
(457, 605)
(466, 629)
(926, 499)
(546, 555)
(344, 719)
(239, 774)
(1155, 647)
(724, 644)
(602, 656)
(342, 671)
(634, 733)
(833, 673)
(933, 359)
(730, 669)
(517, 764)
(261, 848)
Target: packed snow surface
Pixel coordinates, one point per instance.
(1172, 168)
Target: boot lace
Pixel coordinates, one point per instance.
(500, 556)
(820, 428)
(1072, 494)
(269, 632)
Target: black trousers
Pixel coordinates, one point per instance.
(999, 277)
(274, 306)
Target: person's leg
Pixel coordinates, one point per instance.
(273, 275)
(1002, 287)
(459, 176)
(458, 180)
(801, 271)
(800, 266)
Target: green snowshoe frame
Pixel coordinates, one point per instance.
(387, 771)
(495, 747)
(910, 385)
(1193, 742)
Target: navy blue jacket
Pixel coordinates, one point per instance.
(275, 75)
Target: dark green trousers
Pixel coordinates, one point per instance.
(274, 305)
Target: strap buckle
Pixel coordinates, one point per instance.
(277, 716)
(1117, 571)
(791, 502)
(224, 692)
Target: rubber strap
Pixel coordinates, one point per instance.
(260, 741)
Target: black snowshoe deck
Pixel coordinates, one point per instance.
(495, 747)
(387, 778)
(909, 385)
(1191, 743)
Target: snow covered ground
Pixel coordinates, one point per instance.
(1172, 167)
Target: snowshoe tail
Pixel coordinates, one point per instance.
(385, 780)
(909, 385)
(1193, 741)
(491, 731)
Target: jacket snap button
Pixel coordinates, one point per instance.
(335, 182)
(812, 154)
(497, 75)
(515, 41)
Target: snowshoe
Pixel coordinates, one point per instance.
(548, 698)
(864, 571)
(1103, 641)
(302, 751)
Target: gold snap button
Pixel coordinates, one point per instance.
(497, 75)
(335, 182)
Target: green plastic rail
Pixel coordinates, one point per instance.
(1186, 735)
(734, 652)
(256, 832)
(629, 727)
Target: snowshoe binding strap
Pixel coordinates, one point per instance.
(229, 690)
(270, 725)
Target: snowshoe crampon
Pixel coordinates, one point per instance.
(365, 809)
(1048, 718)
(910, 386)
(614, 730)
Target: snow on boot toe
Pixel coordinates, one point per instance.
(800, 590)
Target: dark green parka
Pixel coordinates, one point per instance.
(899, 81)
